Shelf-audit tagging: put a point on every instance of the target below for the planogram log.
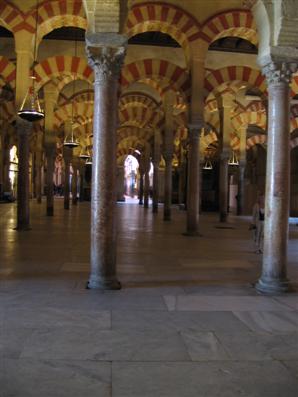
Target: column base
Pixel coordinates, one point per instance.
(24, 228)
(192, 234)
(50, 211)
(272, 286)
(155, 209)
(103, 285)
(223, 218)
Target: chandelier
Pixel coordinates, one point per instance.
(30, 109)
(233, 160)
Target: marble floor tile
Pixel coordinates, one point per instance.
(292, 366)
(177, 321)
(52, 378)
(290, 300)
(223, 303)
(277, 321)
(210, 379)
(259, 346)
(57, 317)
(204, 346)
(81, 344)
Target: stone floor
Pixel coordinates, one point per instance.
(187, 322)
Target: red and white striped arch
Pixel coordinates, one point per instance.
(166, 18)
(168, 74)
(255, 140)
(294, 86)
(62, 65)
(11, 17)
(239, 23)
(7, 72)
(252, 118)
(8, 111)
(55, 14)
(244, 74)
(293, 124)
(137, 99)
(130, 131)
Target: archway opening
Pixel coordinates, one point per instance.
(131, 179)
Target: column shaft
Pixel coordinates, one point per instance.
(74, 186)
(240, 199)
(141, 188)
(193, 197)
(106, 62)
(168, 188)
(23, 213)
(66, 178)
(274, 266)
(223, 188)
(50, 158)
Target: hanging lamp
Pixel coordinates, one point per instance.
(84, 154)
(207, 165)
(70, 140)
(233, 160)
(89, 161)
(30, 109)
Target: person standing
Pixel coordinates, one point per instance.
(258, 216)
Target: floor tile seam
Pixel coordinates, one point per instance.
(276, 299)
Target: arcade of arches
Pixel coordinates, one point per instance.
(160, 96)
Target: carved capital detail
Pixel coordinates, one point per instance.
(106, 62)
(277, 73)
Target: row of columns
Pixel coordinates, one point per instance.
(106, 59)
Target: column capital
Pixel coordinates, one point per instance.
(106, 54)
(279, 72)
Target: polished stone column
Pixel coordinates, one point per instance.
(240, 194)
(82, 180)
(168, 187)
(106, 54)
(50, 152)
(38, 166)
(223, 186)
(23, 212)
(274, 267)
(120, 183)
(146, 180)
(156, 162)
(193, 196)
(74, 182)
(141, 186)
(67, 154)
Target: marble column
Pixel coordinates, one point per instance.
(241, 174)
(225, 106)
(67, 155)
(156, 161)
(240, 194)
(120, 183)
(169, 100)
(146, 179)
(106, 54)
(50, 152)
(82, 179)
(23, 212)
(141, 186)
(51, 96)
(223, 186)
(193, 197)
(274, 267)
(168, 187)
(38, 166)
(74, 182)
